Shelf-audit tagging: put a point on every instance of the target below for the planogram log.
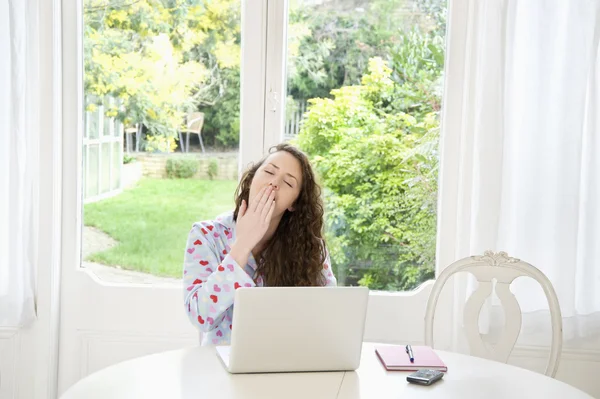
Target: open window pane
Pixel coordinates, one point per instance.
(364, 80)
(161, 89)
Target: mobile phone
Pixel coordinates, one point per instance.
(425, 377)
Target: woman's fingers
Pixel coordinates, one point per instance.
(265, 198)
(256, 200)
(267, 207)
(271, 210)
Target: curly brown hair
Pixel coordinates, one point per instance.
(296, 253)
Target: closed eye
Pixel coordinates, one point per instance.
(269, 172)
(288, 184)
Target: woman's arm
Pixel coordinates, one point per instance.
(210, 278)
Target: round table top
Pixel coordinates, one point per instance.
(198, 372)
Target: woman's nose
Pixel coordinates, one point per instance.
(275, 185)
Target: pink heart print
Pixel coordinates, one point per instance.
(216, 235)
(219, 333)
(210, 320)
(247, 285)
(191, 250)
(216, 288)
(197, 256)
(226, 287)
(230, 267)
(215, 341)
(212, 309)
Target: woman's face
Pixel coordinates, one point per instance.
(282, 170)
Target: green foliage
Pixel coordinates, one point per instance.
(160, 144)
(160, 58)
(213, 169)
(180, 168)
(164, 58)
(222, 120)
(330, 46)
(128, 159)
(375, 148)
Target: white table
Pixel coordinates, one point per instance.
(198, 373)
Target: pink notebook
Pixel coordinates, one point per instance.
(395, 358)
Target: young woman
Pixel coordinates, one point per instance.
(272, 238)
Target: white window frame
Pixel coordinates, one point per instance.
(253, 82)
(275, 88)
(264, 24)
(254, 23)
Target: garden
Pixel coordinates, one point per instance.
(363, 101)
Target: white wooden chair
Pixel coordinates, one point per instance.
(503, 269)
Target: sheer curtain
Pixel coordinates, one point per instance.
(19, 129)
(520, 165)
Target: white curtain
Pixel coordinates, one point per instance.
(18, 160)
(520, 163)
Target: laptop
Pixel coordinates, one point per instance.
(294, 329)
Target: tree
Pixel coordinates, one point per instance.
(161, 58)
(330, 44)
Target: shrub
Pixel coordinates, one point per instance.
(378, 164)
(181, 168)
(213, 169)
(128, 159)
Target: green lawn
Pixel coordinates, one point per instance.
(152, 220)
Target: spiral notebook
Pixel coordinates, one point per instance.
(395, 358)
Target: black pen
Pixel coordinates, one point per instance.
(410, 353)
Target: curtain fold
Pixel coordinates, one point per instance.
(520, 166)
(19, 129)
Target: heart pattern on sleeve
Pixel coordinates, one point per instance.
(211, 278)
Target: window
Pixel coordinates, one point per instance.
(364, 80)
(160, 129)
